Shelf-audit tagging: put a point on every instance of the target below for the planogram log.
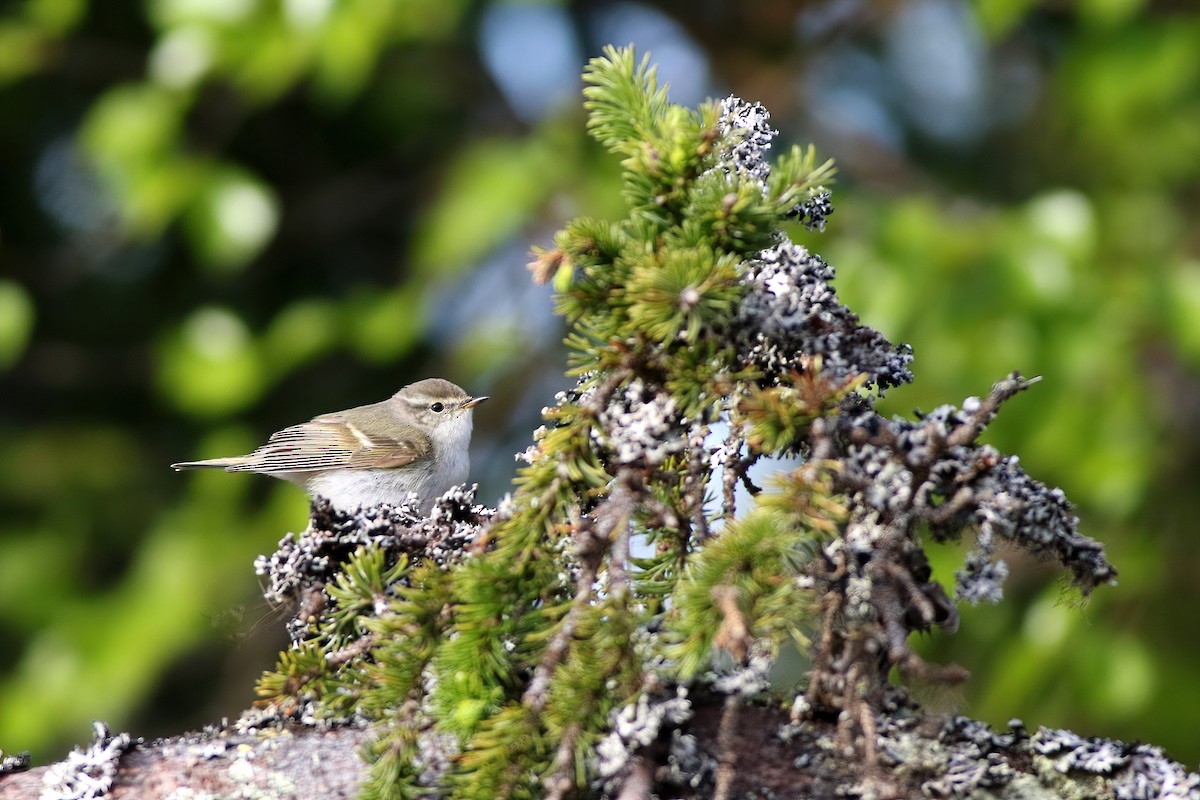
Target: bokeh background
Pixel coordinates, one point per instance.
(220, 217)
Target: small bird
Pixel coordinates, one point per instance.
(415, 442)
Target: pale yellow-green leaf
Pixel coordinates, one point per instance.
(17, 316)
(483, 200)
(233, 218)
(210, 366)
(300, 333)
(384, 325)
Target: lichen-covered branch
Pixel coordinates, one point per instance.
(556, 645)
(675, 744)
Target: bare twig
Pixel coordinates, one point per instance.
(981, 416)
(615, 516)
(727, 758)
(618, 565)
(866, 723)
(537, 693)
(604, 392)
(358, 648)
(639, 785)
(734, 635)
(729, 475)
(560, 781)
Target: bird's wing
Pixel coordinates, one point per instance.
(332, 442)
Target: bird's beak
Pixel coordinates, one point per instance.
(474, 401)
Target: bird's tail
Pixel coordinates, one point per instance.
(227, 464)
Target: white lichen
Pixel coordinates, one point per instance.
(635, 726)
(753, 678)
(1138, 772)
(313, 557)
(791, 313)
(87, 774)
(746, 136)
(641, 427)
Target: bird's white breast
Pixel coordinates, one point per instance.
(348, 489)
(452, 446)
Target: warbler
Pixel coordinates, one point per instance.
(414, 443)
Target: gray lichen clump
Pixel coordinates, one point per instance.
(966, 758)
(1136, 771)
(745, 136)
(558, 645)
(791, 313)
(311, 558)
(931, 471)
(89, 772)
(299, 571)
(636, 418)
(789, 310)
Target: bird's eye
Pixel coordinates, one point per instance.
(437, 408)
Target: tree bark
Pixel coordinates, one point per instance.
(914, 756)
(290, 761)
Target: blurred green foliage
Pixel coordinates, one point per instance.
(219, 217)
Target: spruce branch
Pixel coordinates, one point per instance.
(625, 104)
(552, 646)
